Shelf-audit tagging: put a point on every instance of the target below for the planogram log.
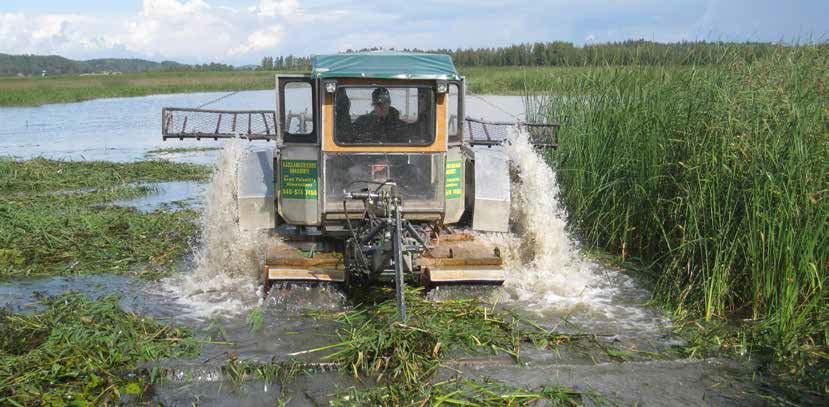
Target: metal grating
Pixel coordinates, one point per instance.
(481, 132)
(184, 123)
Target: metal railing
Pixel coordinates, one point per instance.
(482, 132)
(188, 123)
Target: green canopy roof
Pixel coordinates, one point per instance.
(396, 65)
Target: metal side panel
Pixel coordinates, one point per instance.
(298, 184)
(491, 207)
(256, 191)
(455, 188)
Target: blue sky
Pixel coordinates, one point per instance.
(243, 31)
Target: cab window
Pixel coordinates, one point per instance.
(298, 113)
(380, 115)
(455, 113)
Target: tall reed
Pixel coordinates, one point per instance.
(716, 179)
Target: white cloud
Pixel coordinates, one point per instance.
(272, 8)
(262, 40)
(190, 30)
(172, 8)
(185, 30)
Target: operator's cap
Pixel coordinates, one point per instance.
(380, 96)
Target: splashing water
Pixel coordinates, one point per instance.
(542, 263)
(225, 277)
(545, 271)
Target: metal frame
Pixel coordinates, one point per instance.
(281, 82)
(535, 139)
(166, 115)
(461, 111)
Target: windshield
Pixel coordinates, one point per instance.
(370, 115)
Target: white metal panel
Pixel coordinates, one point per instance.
(256, 191)
(491, 208)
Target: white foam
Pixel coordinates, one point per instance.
(227, 260)
(542, 262)
(545, 271)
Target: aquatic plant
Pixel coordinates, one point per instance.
(403, 358)
(46, 176)
(714, 181)
(464, 392)
(174, 150)
(55, 218)
(80, 351)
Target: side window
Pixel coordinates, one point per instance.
(454, 113)
(298, 113)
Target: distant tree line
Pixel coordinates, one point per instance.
(559, 53)
(632, 52)
(556, 53)
(56, 65)
(288, 63)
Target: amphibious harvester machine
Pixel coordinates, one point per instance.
(371, 178)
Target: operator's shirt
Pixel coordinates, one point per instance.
(372, 128)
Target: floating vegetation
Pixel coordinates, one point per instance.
(403, 358)
(464, 392)
(81, 352)
(177, 150)
(53, 218)
(41, 175)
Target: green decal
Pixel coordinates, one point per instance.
(454, 186)
(299, 179)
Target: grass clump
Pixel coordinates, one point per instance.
(374, 342)
(174, 150)
(461, 392)
(80, 351)
(715, 179)
(404, 357)
(55, 218)
(71, 236)
(41, 175)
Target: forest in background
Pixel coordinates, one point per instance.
(28, 65)
(554, 53)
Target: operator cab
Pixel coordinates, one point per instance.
(365, 119)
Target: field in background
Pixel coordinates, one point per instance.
(714, 182)
(74, 88)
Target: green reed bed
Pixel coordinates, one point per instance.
(73, 88)
(715, 181)
(77, 351)
(518, 80)
(56, 218)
